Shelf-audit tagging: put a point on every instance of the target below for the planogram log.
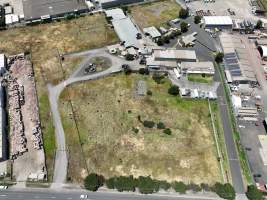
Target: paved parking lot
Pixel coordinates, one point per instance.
(241, 8)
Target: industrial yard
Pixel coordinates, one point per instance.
(155, 14)
(110, 138)
(45, 42)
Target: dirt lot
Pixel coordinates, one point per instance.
(106, 112)
(155, 14)
(43, 41)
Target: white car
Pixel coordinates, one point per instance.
(83, 196)
(3, 187)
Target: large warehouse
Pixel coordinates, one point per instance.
(113, 3)
(220, 22)
(175, 55)
(43, 9)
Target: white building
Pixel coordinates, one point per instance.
(197, 68)
(175, 55)
(220, 22)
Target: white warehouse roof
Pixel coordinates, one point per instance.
(115, 13)
(198, 67)
(218, 20)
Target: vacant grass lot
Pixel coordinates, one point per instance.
(106, 112)
(199, 78)
(43, 41)
(155, 13)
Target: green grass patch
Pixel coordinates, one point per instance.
(200, 78)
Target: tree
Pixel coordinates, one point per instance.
(149, 92)
(205, 186)
(259, 24)
(253, 193)
(129, 57)
(125, 183)
(148, 124)
(158, 78)
(179, 187)
(93, 182)
(194, 187)
(164, 185)
(143, 71)
(167, 131)
(225, 191)
(147, 185)
(173, 90)
(219, 57)
(184, 27)
(110, 183)
(197, 19)
(160, 125)
(184, 13)
(160, 41)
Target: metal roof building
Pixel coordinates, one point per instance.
(197, 68)
(174, 54)
(221, 22)
(37, 9)
(113, 3)
(124, 27)
(152, 32)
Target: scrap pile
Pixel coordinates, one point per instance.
(18, 139)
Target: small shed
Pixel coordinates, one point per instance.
(152, 32)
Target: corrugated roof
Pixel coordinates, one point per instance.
(175, 54)
(116, 13)
(152, 31)
(198, 66)
(218, 20)
(127, 32)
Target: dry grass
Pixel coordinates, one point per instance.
(155, 13)
(107, 110)
(43, 41)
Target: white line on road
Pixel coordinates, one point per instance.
(3, 195)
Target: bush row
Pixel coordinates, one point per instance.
(147, 185)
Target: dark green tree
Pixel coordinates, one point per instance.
(179, 187)
(194, 187)
(225, 191)
(253, 193)
(110, 183)
(197, 19)
(167, 131)
(147, 185)
(184, 13)
(219, 57)
(184, 27)
(259, 24)
(161, 125)
(173, 90)
(148, 124)
(93, 182)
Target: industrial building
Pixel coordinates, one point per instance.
(236, 63)
(2, 64)
(197, 68)
(113, 3)
(45, 9)
(152, 32)
(175, 55)
(220, 22)
(157, 64)
(124, 27)
(3, 127)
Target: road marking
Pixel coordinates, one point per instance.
(3, 195)
(53, 197)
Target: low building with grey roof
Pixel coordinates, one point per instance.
(43, 9)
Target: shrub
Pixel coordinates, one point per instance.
(147, 185)
(125, 183)
(135, 130)
(194, 187)
(253, 193)
(93, 182)
(173, 90)
(259, 24)
(129, 57)
(160, 125)
(205, 186)
(184, 13)
(158, 78)
(148, 124)
(219, 57)
(160, 42)
(110, 183)
(184, 27)
(225, 191)
(149, 93)
(167, 131)
(179, 187)
(197, 19)
(164, 185)
(143, 71)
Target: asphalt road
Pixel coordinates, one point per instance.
(233, 158)
(75, 195)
